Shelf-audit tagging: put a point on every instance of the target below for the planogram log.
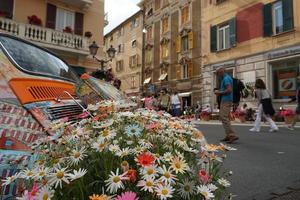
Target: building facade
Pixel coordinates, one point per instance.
(127, 39)
(252, 39)
(172, 47)
(62, 26)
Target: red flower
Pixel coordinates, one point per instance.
(145, 159)
(131, 174)
(203, 176)
(85, 76)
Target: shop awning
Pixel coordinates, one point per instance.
(185, 94)
(147, 80)
(163, 77)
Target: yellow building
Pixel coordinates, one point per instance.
(252, 39)
(127, 39)
(63, 26)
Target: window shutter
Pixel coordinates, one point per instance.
(191, 40)
(232, 32)
(268, 27)
(213, 39)
(178, 72)
(190, 70)
(51, 16)
(78, 23)
(7, 7)
(178, 44)
(288, 16)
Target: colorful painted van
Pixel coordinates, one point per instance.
(36, 88)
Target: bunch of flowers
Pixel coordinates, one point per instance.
(88, 34)
(240, 113)
(33, 19)
(124, 155)
(68, 29)
(287, 113)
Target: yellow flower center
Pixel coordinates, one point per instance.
(205, 194)
(124, 163)
(77, 154)
(167, 175)
(178, 165)
(116, 179)
(187, 188)
(29, 173)
(45, 196)
(164, 192)
(149, 184)
(60, 174)
(150, 171)
(42, 174)
(105, 133)
(101, 145)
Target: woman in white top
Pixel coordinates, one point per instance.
(265, 107)
(175, 104)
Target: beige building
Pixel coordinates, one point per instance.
(252, 39)
(172, 47)
(127, 39)
(66, 27)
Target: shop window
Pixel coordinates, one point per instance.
(285, 79)
(119, 65)
(185, 15)
(6, 8)
(165, 50)
(165, 24)
(278, 17)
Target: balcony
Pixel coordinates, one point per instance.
(83, 4)
(46, 37)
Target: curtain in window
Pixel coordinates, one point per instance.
(64, 18)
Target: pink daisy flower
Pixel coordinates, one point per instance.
(127, 196)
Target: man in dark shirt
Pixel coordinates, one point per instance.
(296, 98)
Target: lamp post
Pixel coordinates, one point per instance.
(110, 52)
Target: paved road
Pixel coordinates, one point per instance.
(264, 163)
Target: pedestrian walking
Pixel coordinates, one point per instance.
(175, 104)
(297, 111)
(265, 107)
(164, 100)
(226, 97)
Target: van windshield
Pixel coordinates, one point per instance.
(34, 60)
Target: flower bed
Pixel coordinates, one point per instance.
(204, 115)
(124, 155)
(241, 115)
(288, 115)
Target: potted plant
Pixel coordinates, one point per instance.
(68, 29)
(2, 14)
(88, 34)
(34, 20)
(204, 115)
(288, 115)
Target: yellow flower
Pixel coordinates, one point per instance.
(99, 197)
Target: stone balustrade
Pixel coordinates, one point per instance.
(44, 35)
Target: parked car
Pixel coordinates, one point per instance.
(36, 88)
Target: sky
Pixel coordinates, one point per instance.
(118, 11)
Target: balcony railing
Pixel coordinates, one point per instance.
(46, 37)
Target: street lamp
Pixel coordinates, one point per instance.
(110, 52)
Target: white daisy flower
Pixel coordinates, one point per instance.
(77, 156)
(108, 134)
(41, 172)
(205, 192)
(166, 175)
(124, 152)
(145, 143)
(113, 148)
(147, 184)
(179, 165)
(168, 156)
(187, 189)
(27, 174)
(224, 182)
(164, 191)
(149, 171)
(58, 176)
(99, 146)
(103, 124)
(114, 182)
(10, 179)
(77, 174)
(45, 193)
(212, 187)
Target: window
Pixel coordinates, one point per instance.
(148, 57)
(184, 43)
(165, 50)
(157, 4)
(278, 17)
(223, 37)
(185, 15)
(220, 1)
(185, 71)
(6, 8)
(165, 24)
(133, 61)
(120, 32)
(119, 65)
(111, 38)
(149, 33)
(133, 43)
(120, 48)
(285, 79)
(34, 60)
(134, 23)
(133, 82)
(64, 19)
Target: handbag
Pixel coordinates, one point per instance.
(268, 106)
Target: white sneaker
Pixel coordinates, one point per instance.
(273, 130)
(290, 127)
(254, 130)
